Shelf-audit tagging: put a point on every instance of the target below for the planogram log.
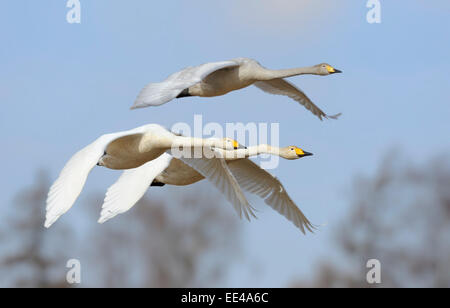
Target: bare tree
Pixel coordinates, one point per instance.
(401, 217)
(26, 259)
(171, 242)
(179, 242)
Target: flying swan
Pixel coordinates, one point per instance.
(133, 148)
(219, 78)
(132, 184)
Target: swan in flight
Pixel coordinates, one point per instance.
(219, 78)
(133, 148)
(132, 184)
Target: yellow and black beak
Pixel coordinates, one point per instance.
(305, 154)
(333, 70)
(301, 153)
(238, 146)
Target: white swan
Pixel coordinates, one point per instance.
(219, 78)
(131, 149)
(132, 184)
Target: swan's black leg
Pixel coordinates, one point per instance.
(184, 93)
(155, 183)
(99, 161)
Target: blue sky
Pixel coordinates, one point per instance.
(62, 85)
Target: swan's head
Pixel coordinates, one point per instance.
(231, 144)
(326, 69)
(293, 152)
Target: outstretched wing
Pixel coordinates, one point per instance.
(68, 186)
(258, 181)
(155, 94)
(280, 86)
(216, 171)
(131, 187)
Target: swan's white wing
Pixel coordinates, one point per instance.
(68, 186)
(70, 182)
(216, 171)
(282, 87)
(258, 181)
(131, 187)
(155, 94)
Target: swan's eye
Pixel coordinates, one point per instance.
(292, 149)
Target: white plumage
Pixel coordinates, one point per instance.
(133, 184)
(219, 78)
(132, 149)
(155, 94)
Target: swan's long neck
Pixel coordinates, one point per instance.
(249, 152)
(267, 74)
(191, 142)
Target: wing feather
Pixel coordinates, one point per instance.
(131, 187)
(258, 181)
(66, 189)
(280, 86)
(155, 94)
(216, 171)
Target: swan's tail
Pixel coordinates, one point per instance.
(155, 94)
